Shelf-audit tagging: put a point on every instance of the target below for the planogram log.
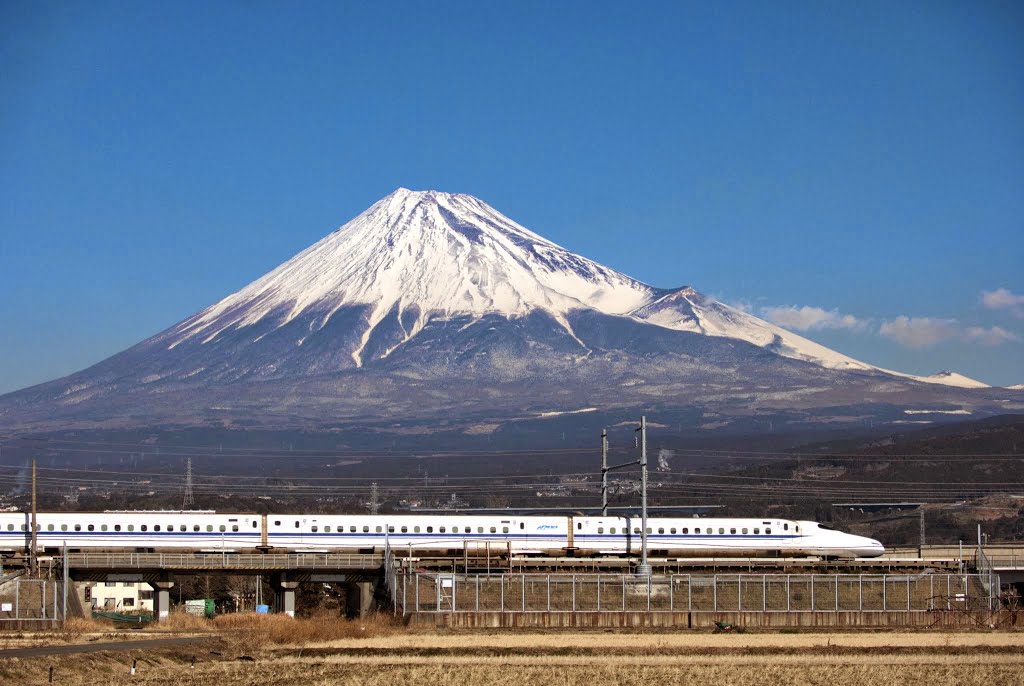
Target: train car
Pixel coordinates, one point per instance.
(717, 537)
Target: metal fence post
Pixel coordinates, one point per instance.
(739, 593)
(477, 592)
(573, 592)
(689, 593)
(714, 589)
(523, 577)
(548, 584)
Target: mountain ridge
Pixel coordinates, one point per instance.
(433, 305)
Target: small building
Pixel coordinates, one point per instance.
(120, 596)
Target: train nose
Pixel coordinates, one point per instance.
(871, 548)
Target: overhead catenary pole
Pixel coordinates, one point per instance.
(604, 472)
(645, 567)
(33, 560)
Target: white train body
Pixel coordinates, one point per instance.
(553, 535)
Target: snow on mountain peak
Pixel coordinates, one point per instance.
(435, 254)
(417, 256)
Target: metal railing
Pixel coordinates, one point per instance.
(223, 560)
(447, 593)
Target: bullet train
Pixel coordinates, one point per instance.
(146, 531)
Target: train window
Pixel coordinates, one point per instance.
(184, 527)
(92, 527)
(223, 528)
(314, 528)
(479, 529)
(430, 529)
(131, 527)
(78, 527)
(234, 527)
(366, 529)
(142, 527)
(254, 524)
(441, 529)
(797, 529)
(600, 529)
(378, 529)
(209, 527)
(277, 522)
(768, 532)
(522, 526)
(732, 530)
(673, 530)
(744, 530)
(504, 529)
(63, 527)
(611, 530)
(650, 530)
(757, 530)
(296, 524)
(786, 527)
(494, 530)
(721, 530)
(455, 529)
(117, 527)
(416, 529)
(103, 527)
(156, 527)
(661, 530)
(49, 527)
(579, 525)
(391, 530)
(327, 529)
(685, 530)
(405, 529)
(195, 527)
(636, 529)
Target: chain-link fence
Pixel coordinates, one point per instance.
(27, 601)
(441, 593)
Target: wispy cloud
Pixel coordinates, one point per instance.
(812, 318)
(922, 332)
(990, 337)
(919, 332)
(1003, 299)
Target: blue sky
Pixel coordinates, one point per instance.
(854, 170)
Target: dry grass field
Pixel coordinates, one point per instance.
(282, 652)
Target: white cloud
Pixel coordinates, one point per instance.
(811, 318)
(921, 332)
(1003, 299)
(992, 337)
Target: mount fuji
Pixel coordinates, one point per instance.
(432, 310)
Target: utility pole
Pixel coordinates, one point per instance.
(33, 561)
(645, 568)
(188, 503)
(604, 472)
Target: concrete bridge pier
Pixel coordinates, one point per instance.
(162, 598)
(284, 593)
(359, 598)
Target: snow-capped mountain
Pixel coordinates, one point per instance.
(418, 256)
(434, 304)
